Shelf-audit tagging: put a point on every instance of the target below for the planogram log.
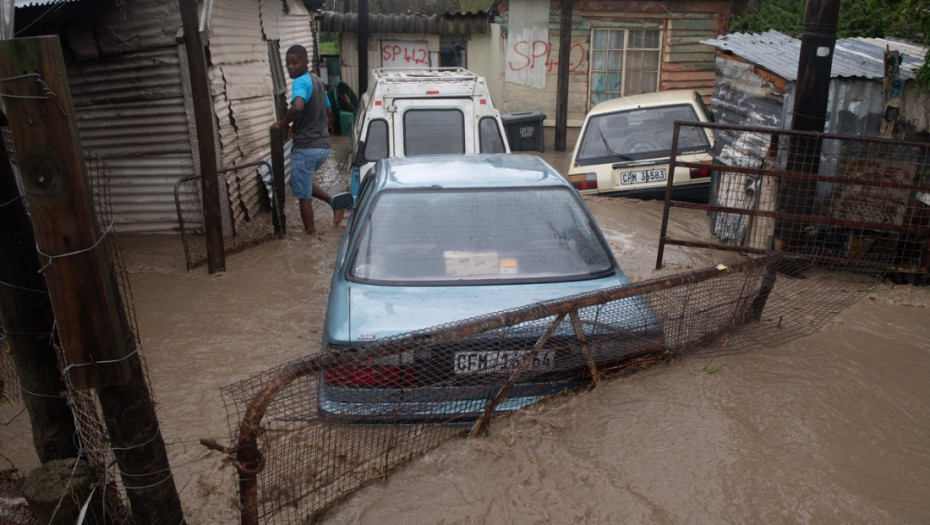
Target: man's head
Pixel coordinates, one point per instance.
(296, 61)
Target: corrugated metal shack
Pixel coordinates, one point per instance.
(128, 72)
(756, 79)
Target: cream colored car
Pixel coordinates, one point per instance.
(625, 146)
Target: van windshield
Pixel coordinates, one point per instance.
(433, 131)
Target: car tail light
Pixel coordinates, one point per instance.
(583, 181)
(697, 173)
(370, 376)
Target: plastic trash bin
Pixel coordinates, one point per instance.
(524, 130)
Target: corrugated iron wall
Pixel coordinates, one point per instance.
(129, 83)
(243, 99)
(130, 109)
(243, 91)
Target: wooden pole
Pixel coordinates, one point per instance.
(27, 320)
(92, 324)
(561, 101)
(364, 35)
(203, 117)
(797, 197)
(277, 181)
(76, 266)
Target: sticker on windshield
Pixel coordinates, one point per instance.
(508, 266)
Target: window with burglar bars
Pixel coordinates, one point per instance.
(624, 62)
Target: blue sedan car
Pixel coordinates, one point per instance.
(434, 240)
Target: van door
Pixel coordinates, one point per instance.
(433, 126)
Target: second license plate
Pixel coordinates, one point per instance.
(642, 176)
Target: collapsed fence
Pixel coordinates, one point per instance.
(805, 223)
(301, 434)
(843, 200)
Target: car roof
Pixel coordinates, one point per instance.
(660, 98)
(501, 170)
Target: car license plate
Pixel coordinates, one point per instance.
(500, 361)
(642, 176)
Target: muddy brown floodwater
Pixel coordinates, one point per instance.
(831, 428)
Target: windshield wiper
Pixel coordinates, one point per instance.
(610, 150)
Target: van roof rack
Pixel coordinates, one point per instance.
(416, 75)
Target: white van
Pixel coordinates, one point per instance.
(408, 112)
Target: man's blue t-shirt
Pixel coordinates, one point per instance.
(311, 128)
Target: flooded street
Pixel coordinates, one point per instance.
(831, 428)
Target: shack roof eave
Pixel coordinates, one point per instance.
(780, 54)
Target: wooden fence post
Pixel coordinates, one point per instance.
(93, 327)
(277, 179)
(26, 316)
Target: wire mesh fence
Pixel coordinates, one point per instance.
(240, 230)
(310, 432)
(94, 444)
(844, 200)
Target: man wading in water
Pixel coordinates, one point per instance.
(309, 112)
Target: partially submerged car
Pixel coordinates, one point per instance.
(434, 240)
(625, 146)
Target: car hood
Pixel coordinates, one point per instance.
(363, 313)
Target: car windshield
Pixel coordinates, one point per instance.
(478, 236)
(638, 134)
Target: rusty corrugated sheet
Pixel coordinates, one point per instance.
(240, 80)
(295, 29)
(235, 33)
(779, 53)
(750, 93)
(270, 11)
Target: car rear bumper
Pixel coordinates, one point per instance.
(696, 192)
(452, 404)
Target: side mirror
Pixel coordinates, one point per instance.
(360, 157)
(343, 201)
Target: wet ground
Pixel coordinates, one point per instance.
(831, 428)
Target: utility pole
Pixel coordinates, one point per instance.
(796, 197)
(561, 100)
(363, 37)
(96, 337)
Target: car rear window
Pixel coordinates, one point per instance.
(478, 236)
(637, 134)
(433, 131)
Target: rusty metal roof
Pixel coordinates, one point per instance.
(449, 23)
(779, 53)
